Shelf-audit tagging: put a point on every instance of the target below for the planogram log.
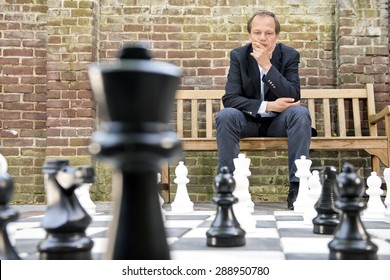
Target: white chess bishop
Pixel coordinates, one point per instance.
(182, 202)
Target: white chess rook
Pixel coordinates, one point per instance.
(386, 176)
(240, 174)
(375, 207)
(303, 173)
(3, 164)
(182, 202)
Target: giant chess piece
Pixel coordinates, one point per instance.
(240, 174)
(375, 207)
(351, 240)
(386, 176)
(225, 231)
(315, 187)
(83, 195)
(244, 207)
(302, 203)
(135, 96)
(7, 215)
(182, 202)
(65, 220)
(327, 217)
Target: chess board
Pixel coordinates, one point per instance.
(279, 235)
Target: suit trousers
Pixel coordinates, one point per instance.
(293, 123)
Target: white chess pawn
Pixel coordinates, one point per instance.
(303, 173)
(244, 207)
(240, 174)
(375, 207)
(84, 198)
(182, 202)
(386, 176)
(314, 192)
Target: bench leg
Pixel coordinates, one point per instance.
(375, 165)
(165, 184)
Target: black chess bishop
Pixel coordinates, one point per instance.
(351, 240)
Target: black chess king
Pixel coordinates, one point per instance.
(135, 95)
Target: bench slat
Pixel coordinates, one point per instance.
(326, 110)
(194, 118)
(341, 117)
(356, 117)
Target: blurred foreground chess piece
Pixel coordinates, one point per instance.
(225, 231)
(65, 220)
(351, 240)
(135, 96)
(7, 214)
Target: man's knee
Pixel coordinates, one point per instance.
(227, 115)
(301, 113)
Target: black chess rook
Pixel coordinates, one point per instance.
(65, 220)
(351, 240)
(327, 217)
(225, 231)
(135, 95)
(7, 215)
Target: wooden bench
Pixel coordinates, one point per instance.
(344, 118)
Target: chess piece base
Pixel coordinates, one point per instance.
(228, 241)
(63, 247)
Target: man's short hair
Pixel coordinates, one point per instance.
(264, 13)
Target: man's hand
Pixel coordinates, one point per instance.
(281, 104)
(262, 55)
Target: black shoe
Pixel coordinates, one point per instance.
(292, 195)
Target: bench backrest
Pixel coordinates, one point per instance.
(334, 112)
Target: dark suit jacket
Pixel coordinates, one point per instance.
(243, 84)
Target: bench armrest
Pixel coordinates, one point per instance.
(373, 119)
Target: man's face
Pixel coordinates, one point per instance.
(263, 31)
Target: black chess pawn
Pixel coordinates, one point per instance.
(327, 217)
(225, 231)
(7, 215)
(65, 220)
(351, 240)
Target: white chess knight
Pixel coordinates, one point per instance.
(303, 173)
(314, 192)
(375, 207)
(240, 174)
(244, 207)
(386, 176)
(182, 202)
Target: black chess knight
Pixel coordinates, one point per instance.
(351, 240)
(65, 220)
(225, 231)
(135, 95)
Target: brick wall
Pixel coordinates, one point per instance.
(47, 109)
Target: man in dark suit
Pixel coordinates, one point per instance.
(262, 97)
